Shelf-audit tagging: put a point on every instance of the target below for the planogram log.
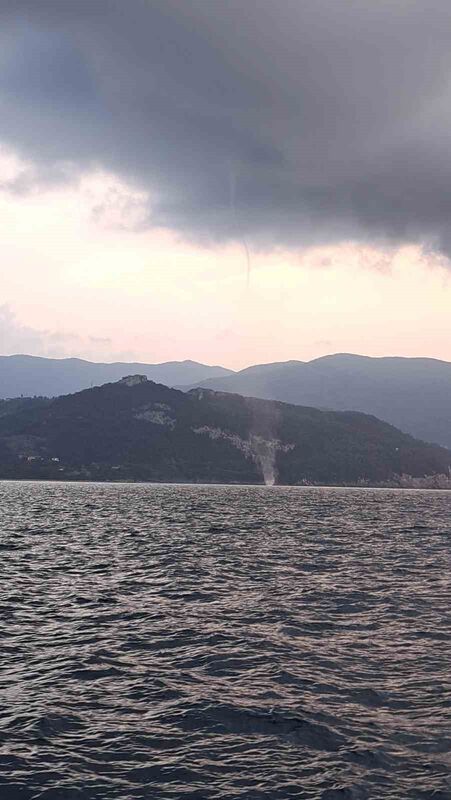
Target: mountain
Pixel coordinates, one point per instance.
(49, 377)
(414, 394)
(139, 430)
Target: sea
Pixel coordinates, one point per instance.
(224, 642)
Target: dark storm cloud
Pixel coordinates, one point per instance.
(284, 121)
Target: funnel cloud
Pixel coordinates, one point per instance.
(334, 115)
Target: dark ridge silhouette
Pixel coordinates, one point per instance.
(136, 429)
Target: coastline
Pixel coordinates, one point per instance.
(237, 484)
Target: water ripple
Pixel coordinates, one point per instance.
(206, 643)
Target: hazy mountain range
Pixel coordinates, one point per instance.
(32, 376)
(414, 394)
(139, 430)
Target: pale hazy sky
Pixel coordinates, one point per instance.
(229, 182)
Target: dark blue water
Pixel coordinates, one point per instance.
(214, 642)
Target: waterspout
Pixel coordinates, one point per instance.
(265, 456)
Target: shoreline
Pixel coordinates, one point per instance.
(372, 486)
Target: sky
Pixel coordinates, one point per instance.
(229, 182)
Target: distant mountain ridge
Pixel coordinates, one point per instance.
(49, 377)
(414, 394)
(139, 430)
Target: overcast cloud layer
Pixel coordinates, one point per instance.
(286, 122)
